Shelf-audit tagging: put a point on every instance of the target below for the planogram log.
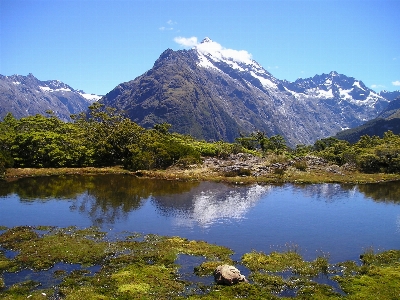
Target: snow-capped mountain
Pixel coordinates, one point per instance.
(215, 93)
(390, 95)
(334, 86)
(27, 95)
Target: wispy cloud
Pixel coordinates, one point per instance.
(186, 42)
(396, 83)
(171, 23)
(169, 26)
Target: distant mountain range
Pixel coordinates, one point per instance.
(27, 95)
(213, 94)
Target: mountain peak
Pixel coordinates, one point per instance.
(333, 73)
(206, 40)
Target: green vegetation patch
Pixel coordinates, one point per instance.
(6, 264)
(287, 261)
(12, 238)
(373, 283)
(40, 253)
(141, 280)
(268, 269)
(377, 278)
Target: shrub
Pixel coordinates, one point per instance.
(6, 161)
(238, 172)
(280, 171)
(300, 165)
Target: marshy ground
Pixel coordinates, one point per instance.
(146, 267)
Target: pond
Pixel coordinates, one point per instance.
(335, 220)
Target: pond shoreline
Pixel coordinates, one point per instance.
(236, 169)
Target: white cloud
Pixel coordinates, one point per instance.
(186, 42)
(396, 83)
(170, 24)
(215, 49)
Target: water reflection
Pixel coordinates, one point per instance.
(326, 191)
(210, 203)
(337, 218)
(388, 192)
(104, 199)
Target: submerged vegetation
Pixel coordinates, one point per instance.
(146, 267)
(105, 138)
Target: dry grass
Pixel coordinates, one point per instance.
(201, 173)
(33, 172)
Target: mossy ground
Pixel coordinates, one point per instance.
(144, 267)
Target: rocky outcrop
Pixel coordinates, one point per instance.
(242, 164)
(228, 275)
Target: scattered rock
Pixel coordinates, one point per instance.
(333, 169)
(228, 275)
(243, 164)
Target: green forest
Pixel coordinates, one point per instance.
(104, 137)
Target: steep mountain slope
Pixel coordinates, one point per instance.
(27, 95)
(388, 119)
(216, 93)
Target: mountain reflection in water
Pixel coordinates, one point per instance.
(341, 219)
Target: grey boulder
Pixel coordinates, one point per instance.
(228, 275)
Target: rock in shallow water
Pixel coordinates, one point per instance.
(228, 275)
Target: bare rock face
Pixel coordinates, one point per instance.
(228, 275)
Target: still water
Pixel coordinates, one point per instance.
(341, 221)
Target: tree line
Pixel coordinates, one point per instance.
(104, 137)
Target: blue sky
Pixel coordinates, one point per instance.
(95, 45)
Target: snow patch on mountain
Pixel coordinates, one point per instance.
(60, 87)
(267, 83)
(211, 53)
(50, 90)
(90, 97)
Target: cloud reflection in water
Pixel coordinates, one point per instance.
(214, 205)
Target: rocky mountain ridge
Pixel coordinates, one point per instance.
(215, 94)
(27, 95)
